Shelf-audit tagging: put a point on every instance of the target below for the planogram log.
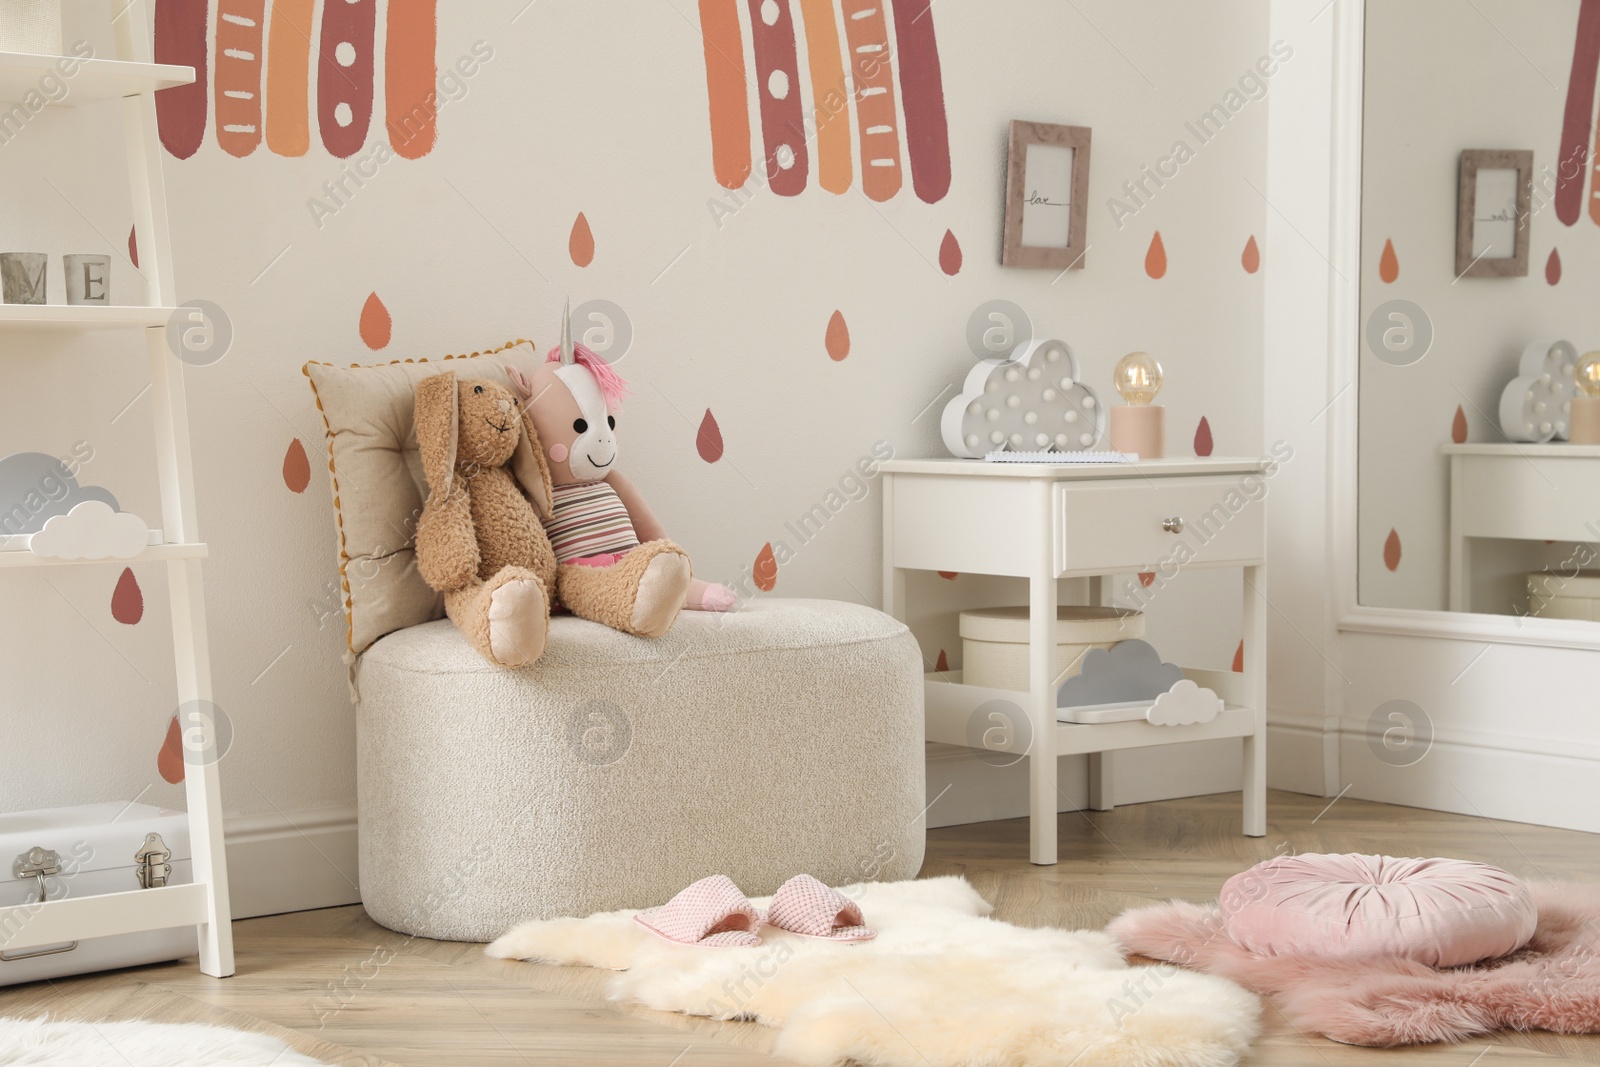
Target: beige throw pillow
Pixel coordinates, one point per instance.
(378, 488)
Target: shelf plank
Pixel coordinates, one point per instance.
(28, 926)
(24, 558)
(92, 80)
(72, 318)
(951, 705)
(1075, 739)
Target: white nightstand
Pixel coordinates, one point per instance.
(1520, 492)
(1048, 521)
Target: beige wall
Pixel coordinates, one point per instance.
(601, 109)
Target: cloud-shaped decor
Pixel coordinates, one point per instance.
(35, 487)
(1128, 672)
(1028, 402)
(1185, 704)
(91, 530)
(1537, 403)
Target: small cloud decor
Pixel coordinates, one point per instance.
(91, 530)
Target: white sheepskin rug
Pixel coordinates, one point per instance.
(43, 1043)
(942, 985)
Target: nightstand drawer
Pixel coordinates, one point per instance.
(1160, 526)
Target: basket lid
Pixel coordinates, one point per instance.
(1075, 625)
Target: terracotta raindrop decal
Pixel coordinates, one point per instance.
(169, 761)
(1391, 550)
(1388, 263)
(296, 467)
(376, 326)
(1202, 438)
(580, 245)
(838, 337)
(1147, 578)
(708, 440)
(1238, 659)
(1552, 267)
(1458, 427)
(765, 571)
(948, 576)
(127, 599)
(942, 664)
(1155, 259)
(1252, 256)
(950, 254)
(133, 245)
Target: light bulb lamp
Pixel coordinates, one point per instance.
(1584, 422)
(1138, 425)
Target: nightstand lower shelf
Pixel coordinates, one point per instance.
(955, 716)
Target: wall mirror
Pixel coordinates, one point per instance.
(1479, 444)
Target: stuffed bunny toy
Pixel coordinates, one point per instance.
(615, 564)
(481, 539)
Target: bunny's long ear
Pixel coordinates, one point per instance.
(438, 415)
(530, 469)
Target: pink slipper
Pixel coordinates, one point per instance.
(805, 906)
(712, 913)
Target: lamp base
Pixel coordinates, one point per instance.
(1139, 429)
(1584, 424)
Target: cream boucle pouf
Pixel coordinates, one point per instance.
(786, 737)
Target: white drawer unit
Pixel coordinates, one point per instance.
(99, 855)
(1042, 522)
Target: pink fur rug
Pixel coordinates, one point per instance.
(1552, 984)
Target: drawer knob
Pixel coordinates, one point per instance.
(1172, 525)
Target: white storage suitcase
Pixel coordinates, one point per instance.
(87, 851)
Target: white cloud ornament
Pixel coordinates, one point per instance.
(1029, 402)
(1536, 405)
(1185, 704)
(91, 530)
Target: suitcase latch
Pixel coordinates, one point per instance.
(152, 857)
(37, 862)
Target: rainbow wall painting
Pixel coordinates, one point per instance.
(854, 50)
(255, 73)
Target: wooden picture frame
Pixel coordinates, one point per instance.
(1493, 208)
(1047, 196)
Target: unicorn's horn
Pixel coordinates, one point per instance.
(568, 357)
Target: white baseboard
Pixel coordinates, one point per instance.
(1511, 778)
(1303, 753)
(294, 861)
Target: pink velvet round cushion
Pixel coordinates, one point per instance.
(1439, 912)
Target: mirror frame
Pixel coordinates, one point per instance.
(1345, 341)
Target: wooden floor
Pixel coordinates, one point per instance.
(336, 986)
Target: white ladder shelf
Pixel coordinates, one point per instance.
(133, 78)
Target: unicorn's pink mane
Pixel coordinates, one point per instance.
(612, 385)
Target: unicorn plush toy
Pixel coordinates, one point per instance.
(615, 564)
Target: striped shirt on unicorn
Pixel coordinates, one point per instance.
(589, 519)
